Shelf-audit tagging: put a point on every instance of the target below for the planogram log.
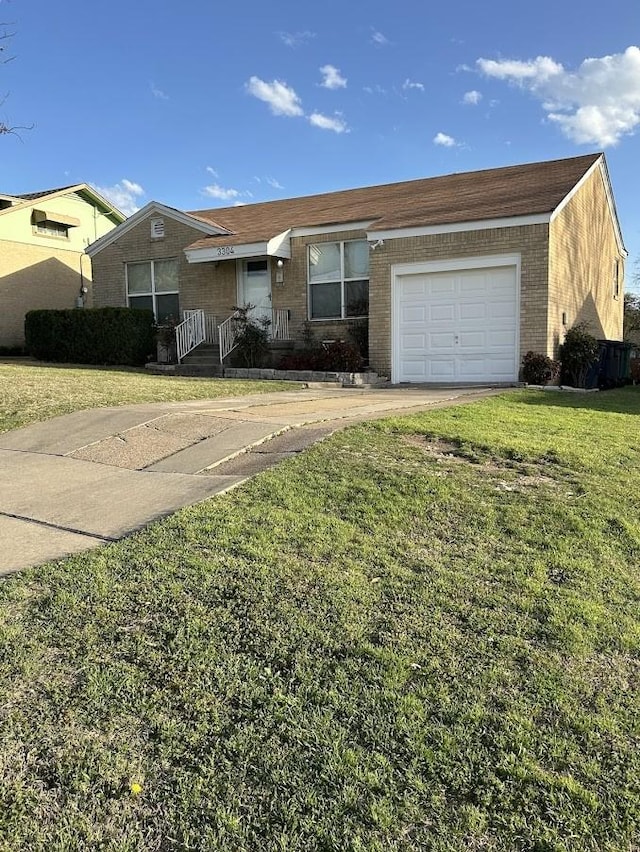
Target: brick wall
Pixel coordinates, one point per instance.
(582, 248)
(34, 277)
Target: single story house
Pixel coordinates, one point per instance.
(457, 276)
(43, 237)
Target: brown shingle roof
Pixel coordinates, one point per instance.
(529, 189)
(31, 196)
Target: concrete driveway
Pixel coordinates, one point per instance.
(84, 479)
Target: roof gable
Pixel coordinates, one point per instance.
(154, 208)
(84, 190)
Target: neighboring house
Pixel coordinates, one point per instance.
(43, 236)
(459, 276)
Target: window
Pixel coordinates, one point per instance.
(52, 229)
(617, 277)
(153, 285)
(339, 280)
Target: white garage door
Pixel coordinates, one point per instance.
(456, 326)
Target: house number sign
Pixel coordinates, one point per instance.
(224, 251)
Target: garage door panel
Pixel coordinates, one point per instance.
(442, 370)
(445, 312)
(415, 370)
(440, 340)
(472, 311)
(416, 285)
(414, 314)
(441, 286)
(472, 340)
(457, 326)
(414, 343)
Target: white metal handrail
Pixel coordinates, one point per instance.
(227, 335)
(211, 328)
(190, 333)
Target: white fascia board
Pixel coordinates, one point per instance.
(152, 208)
(449, 264)
(458, 227)
(312, 230)
(280, 245)
(601, 165)
(213, 253)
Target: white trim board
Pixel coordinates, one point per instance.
(457, 227)
(337, 227)
(601, 165)
(277, 246)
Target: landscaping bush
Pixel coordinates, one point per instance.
(578, 353)
(335, 357)
(251, 337)
(538, 369)
(91, 336)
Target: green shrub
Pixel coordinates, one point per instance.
(91, 336)
(538, 369)
(578, 353)
(333, 357)
(251, 336)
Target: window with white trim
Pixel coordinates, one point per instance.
(153, 285)
(338, 276)
(51, 229)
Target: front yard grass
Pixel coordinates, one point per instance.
(421, 634)
(30, 392)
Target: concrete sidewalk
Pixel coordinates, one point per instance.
(95, 476)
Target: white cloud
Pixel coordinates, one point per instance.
(444, 140)
(274, 183)
(158, 93)
(296, 39)
(333, 79)
(374, 90)
(471, 98)
(598, 103)
(326, 122)
(378, 38)
(219, 192)
(539, 69)
(212, 171)
(281, 98)
(123, 195)
(408, 84)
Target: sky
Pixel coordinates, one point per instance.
(202, 104)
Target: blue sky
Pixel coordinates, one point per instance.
(203, 104)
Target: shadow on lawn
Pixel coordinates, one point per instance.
(624, 400)
(27, 361)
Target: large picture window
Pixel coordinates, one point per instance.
(153, 284)
(339, 280)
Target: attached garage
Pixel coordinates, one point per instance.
(456, 320)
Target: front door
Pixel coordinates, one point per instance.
(255, 288)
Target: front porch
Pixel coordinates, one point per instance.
(198, 327)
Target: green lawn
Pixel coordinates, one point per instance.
(31, 392)
(421, 634)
